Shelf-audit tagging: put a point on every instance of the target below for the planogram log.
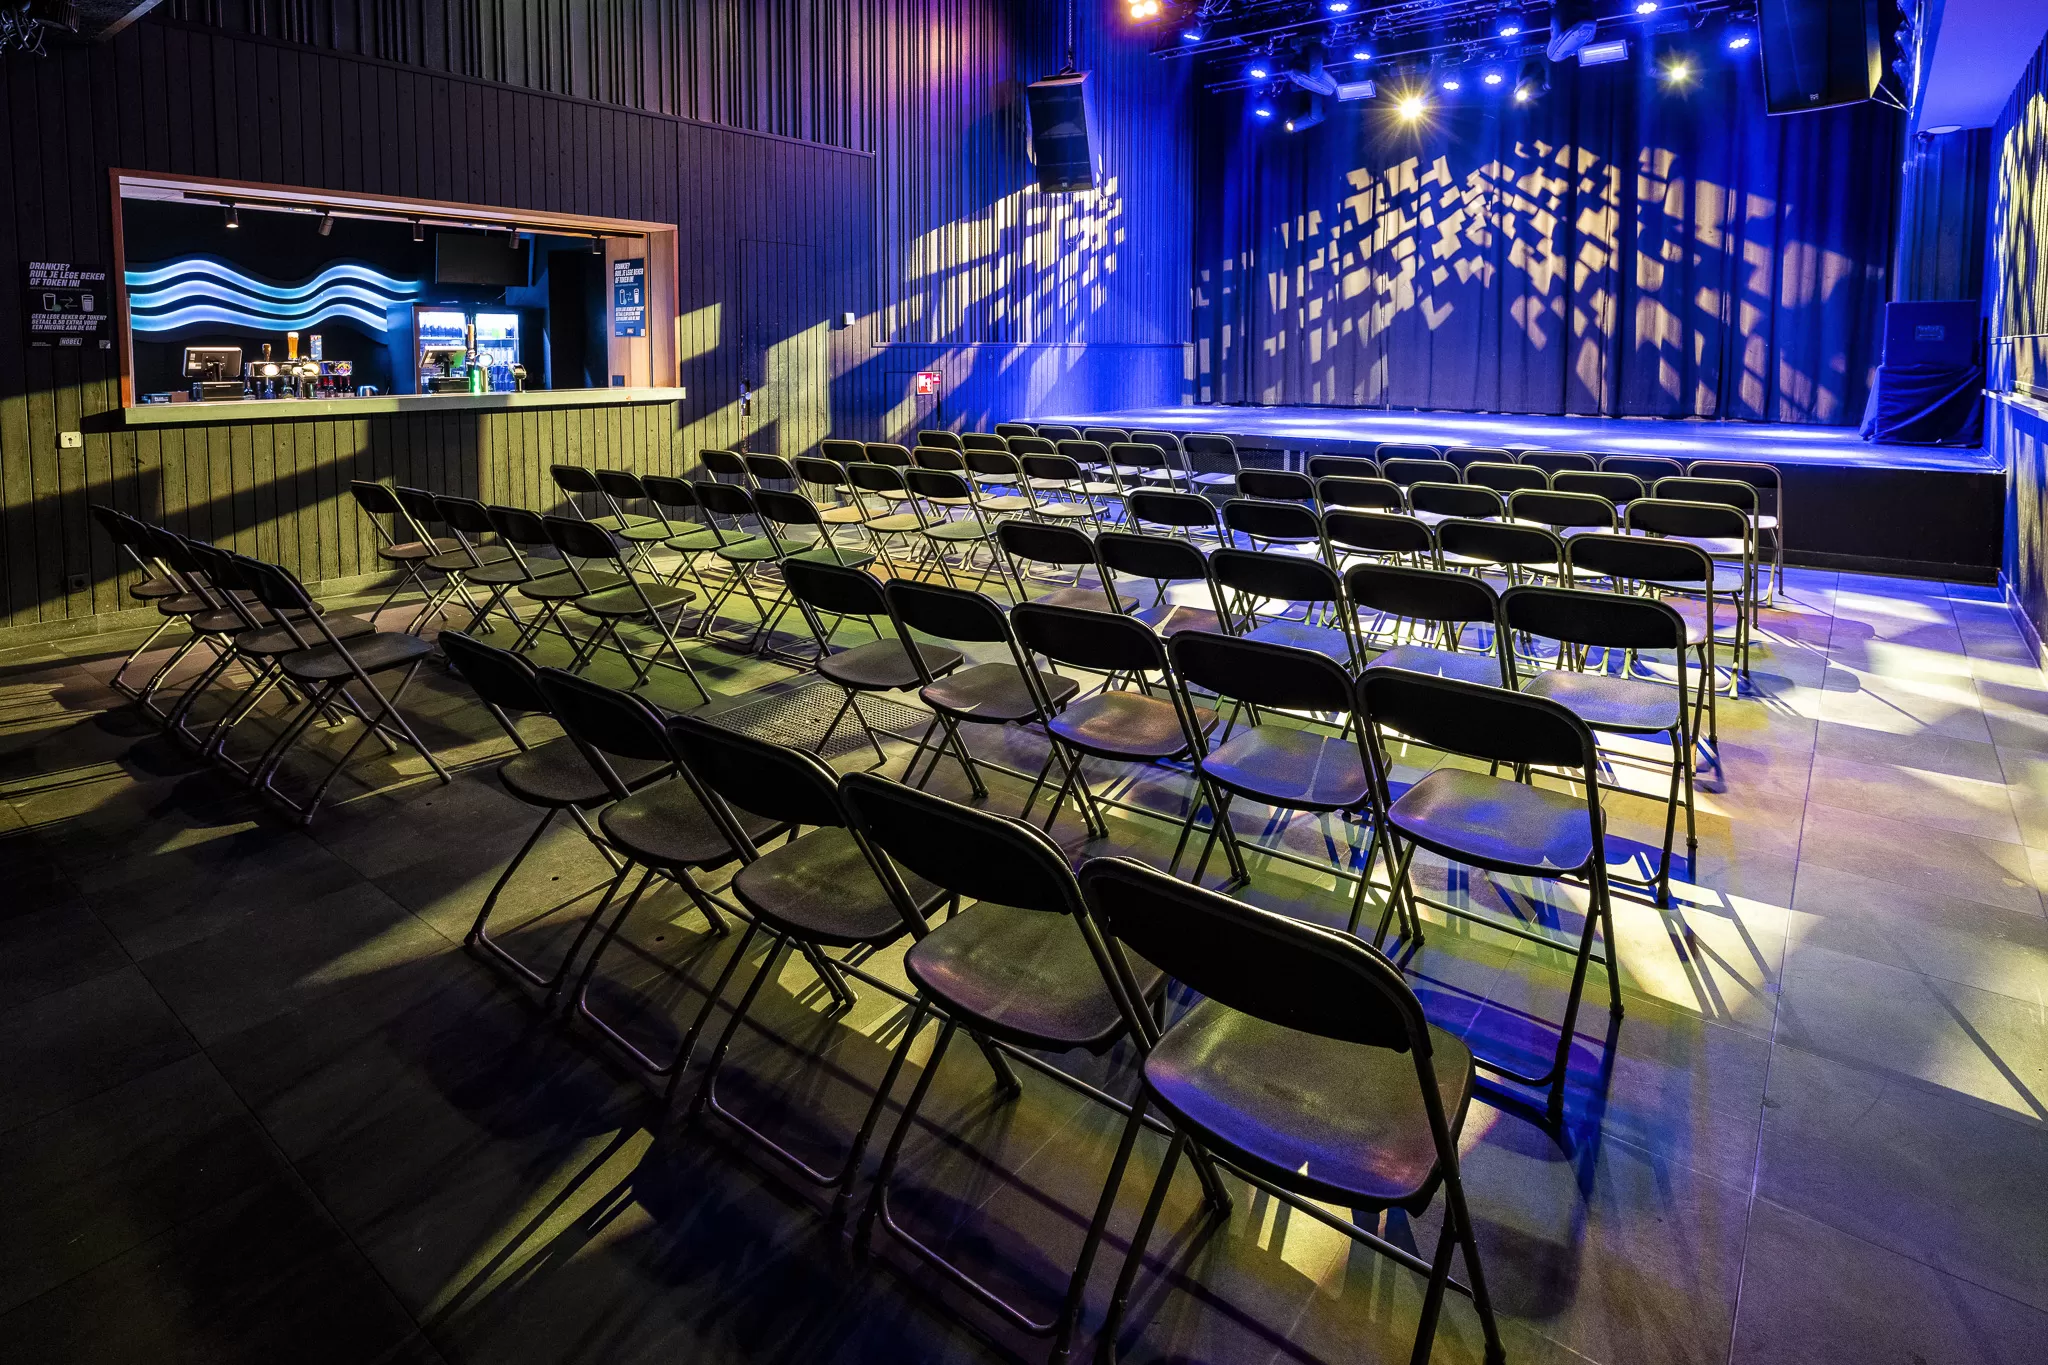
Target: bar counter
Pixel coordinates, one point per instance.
(422, 404)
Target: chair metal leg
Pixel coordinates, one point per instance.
(479, 934)
(1120, 1299)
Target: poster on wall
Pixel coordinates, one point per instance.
(629, 297)
(66, 305)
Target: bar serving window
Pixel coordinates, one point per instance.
(233, 292)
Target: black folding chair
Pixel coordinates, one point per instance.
(1707, 526)
(1648, 468)
(1292, 1072)
(1020, 964)
(322, 667)
(1568, 514)
(1371, 493)
(1618, 489)
(1559, 461)
(1278, 485)
(1322, 467)
(1288, 767)
(1432, 502)
(941, 440)
(551, 583)
(1600, 637)
(1769, 515)
(818, 891)
(1505, 479)
(1264, 525)
(1064, 548)
(495, 569)
(1123, 724)
(879, 665)
(1212, 460)
(1521, 552)
(630, 599)
(994, 693)
(1437, 597)
(131, 538)
(1250, 578)
(1164, 561)
(1490, 822)
(1185, 514)
(405, 547)
(1681, 575)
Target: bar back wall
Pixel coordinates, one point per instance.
(875, 164)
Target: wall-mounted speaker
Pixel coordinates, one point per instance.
(1820, 53)
(1063, 146)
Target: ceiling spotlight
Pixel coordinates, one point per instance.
(1338, 6)
(1646, 6)
(1509, 25)
(1361, 54)
(1532, 80)
(1410, 108)
(1572, 26)
(597, 246)
(1191, 34)
(1450, 81)
(419, 231)
(1492, 75)
(512, 238)
(1263, 109)
(1258, 70)
(326, 222)
(1522, 95)
(231, 215)
(1738, 39)
(1144, 9)
(1677, 71)
(1303, 111)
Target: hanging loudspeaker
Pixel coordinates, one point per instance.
(1063, 144)
(1819, 53)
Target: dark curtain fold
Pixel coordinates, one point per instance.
(1943, 207)
(1617, 248)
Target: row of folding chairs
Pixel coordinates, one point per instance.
(1010, 946)
(253, 622)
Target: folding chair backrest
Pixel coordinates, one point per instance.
(1054, 432)
(786, 509)
(1271, 967)
(936, 483)
(1608, 620)
(1045, 465)
(418, 504)
(938, 457)
(820, 472)
(504, 680)
(1281, 485)
(119, 526)
(519, 526)
(1265, 520)
(768, 779)
(1211, 452)
(1498, 543)
(1456, 500)
(1641, 559)
(1342, 467)
(1259, 672)
(842, 450)
(464, 515)
(726, 499)
(573, 479)
(1162, 440)
(1025, 446)
(1381, 533)
(729, 463)
(1166, 507)
(1014, 429)
(1423, 594)
(1559, 461)
(1039, 542)
(1348, 490)
(976, 854)
(1288, 578)
(1648, 468)
(573, 536)
(999, 463)
(376, 498)
(1130, 455)
(1084, 452)
(1163, 559)
(616, 724)
(1764, 478)
(276, 589)
(1727, 492)
(1562, 510)
(1505, 478)
(1104, 641)
(1396, 450)
(666, 490)
(947, 613)
(888, 453)
(870, 477)
(622, 484)
(770, 468)
(1490, 723)
(942, 440)
(834, 588)
(1405, 470)
(1615, 487)
(982, 440)
(1108, 436)
(1667, 517)
(1464, 457)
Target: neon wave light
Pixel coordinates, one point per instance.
(212, 291)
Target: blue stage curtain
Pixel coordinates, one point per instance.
(1944, 200)
(1618, 247)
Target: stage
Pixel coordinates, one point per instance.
(1929, 511)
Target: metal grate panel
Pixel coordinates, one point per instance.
(798, 718)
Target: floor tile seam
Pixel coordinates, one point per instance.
(1980, 1109)
(1884, 929)
(1903, 1253)
(1813, 802)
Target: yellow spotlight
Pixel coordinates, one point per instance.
(1410, 107)
(1144, 9)
(1678, 71)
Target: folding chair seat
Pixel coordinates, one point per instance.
(883, 484)
(817, 891)
(1018, 963)
(1286, 767)
(1614, 698)
(1309, 1068)
(1164, 561)
(879, 665)
(1125, 724)
(1493, 823)
(322, 668)
(630, 600)
(1064, 492)
(1248, 577)
(1000, 470)
(1438, 597)
(993, 693)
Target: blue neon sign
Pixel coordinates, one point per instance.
(204, 289)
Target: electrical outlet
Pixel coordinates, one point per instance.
(70, 440)
(78, 582)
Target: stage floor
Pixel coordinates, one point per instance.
(1351, 430)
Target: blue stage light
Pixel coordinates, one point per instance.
(1262, 110)
(1192, 33)
(1362, 54)
(1338, 6)
(1738, 39)
(1509, 26)
(1258, 71)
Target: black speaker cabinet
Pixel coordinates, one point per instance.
(1063, 131)
(1819, 53)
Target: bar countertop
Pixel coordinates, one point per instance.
(318, 409)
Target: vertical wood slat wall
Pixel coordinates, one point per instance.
(1025, 302)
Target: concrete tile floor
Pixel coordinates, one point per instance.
(259, 1102)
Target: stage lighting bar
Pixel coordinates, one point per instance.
(1603, 52)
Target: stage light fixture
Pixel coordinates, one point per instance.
(1646, 7)
(326, 222)
(1338, 6)
(1191, 34)
(231, 216)
(1572, 26)
(1450, 81)
(1532, 80)
(512, 239)
(1258, 70)
(1738, 38)
(1492, 75)
(597, 245)
(1509, 25)
(1304, 111)
(1361, 54)
(1263, 109)
(1411, 107)
(1601, 53)
(1144, 9)
(1677, 71)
